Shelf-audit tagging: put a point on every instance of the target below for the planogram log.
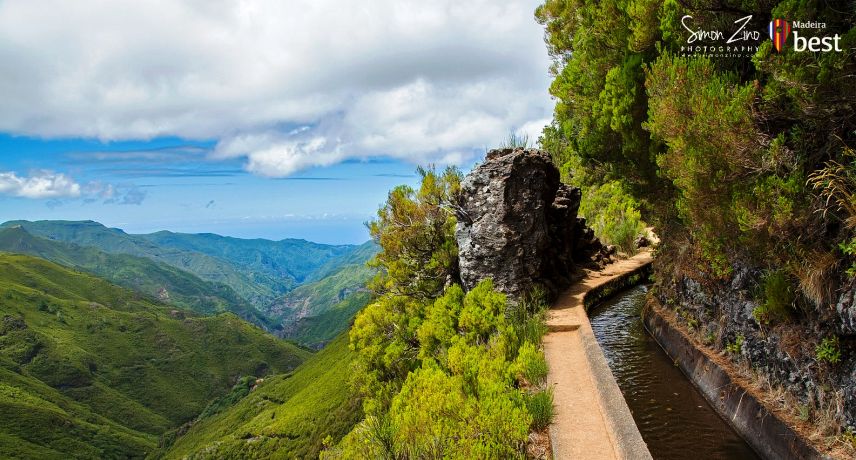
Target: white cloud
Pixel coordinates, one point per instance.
(284, 84)
(40, 184)
(59, 187)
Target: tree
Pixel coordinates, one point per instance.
(415, 229)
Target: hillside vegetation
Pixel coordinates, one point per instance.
(314, 313)
(442, 373)
(303, 291)
(738, 160)
(744, 164)
(277, 264)
(259, 271)
(92, 370)
(154, 279)
(286, 416)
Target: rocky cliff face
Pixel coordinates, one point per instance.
(721, 313)
(518, 224)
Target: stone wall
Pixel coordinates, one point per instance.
(785, 352)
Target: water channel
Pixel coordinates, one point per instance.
(674, 418)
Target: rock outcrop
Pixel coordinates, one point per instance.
(518, 225)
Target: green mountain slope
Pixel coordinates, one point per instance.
(155, 279)
(115, 241)
(260, 271)
(315, 331)
(91, 370)
(314, 313)
(358, 255)
(290, 259)
(287, 416)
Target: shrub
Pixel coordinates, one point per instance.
(735, 347)
(415, 229)
(515, 141)
(528, 317)
(849, 249)
(439, 370)
(778, 299)
(828, 350)
(613, 214)
(540, 405)
(530, 365)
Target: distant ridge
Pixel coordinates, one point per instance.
(302, 290)
(154, 279)
(258, 270)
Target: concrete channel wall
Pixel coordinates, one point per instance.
(761, 428)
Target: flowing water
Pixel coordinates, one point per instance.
(674, 418)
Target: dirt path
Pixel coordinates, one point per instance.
(591, 420)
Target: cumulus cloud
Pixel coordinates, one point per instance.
(59, 188)
(40, 184)
(282, 84)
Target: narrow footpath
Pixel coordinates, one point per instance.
(592, 420)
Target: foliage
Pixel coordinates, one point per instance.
(443, 373)
(613, 214)
(416, 232)
(445, 376)
(735, 161)
(286, 416)
(778, 299)
(735, 347)
(599, 51)
(530, 365)
(828, 350)
(836, 184)
(540, 405)
(92, 370)
(239, 391)
(515, 141)
(849, 248)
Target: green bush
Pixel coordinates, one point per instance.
(613, 214)
(530, 365)
(416, 230)
(778, 299)
(443, 373)
(540, 405)
(849, 249)
(735, 347)
(828, 350)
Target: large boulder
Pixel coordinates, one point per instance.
(518, 225)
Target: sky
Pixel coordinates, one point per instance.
(254, 118)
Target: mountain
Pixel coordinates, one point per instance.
(155, 279)
(286, 416)
(306, 290)
(258, 270)
(315, 312)
(115, 241)
(92, 370)
(291, 259)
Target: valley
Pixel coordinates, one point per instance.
(113, 345)
(95, 370)
(273, 284)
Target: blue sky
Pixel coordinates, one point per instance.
(254, 118)
(173, 186)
